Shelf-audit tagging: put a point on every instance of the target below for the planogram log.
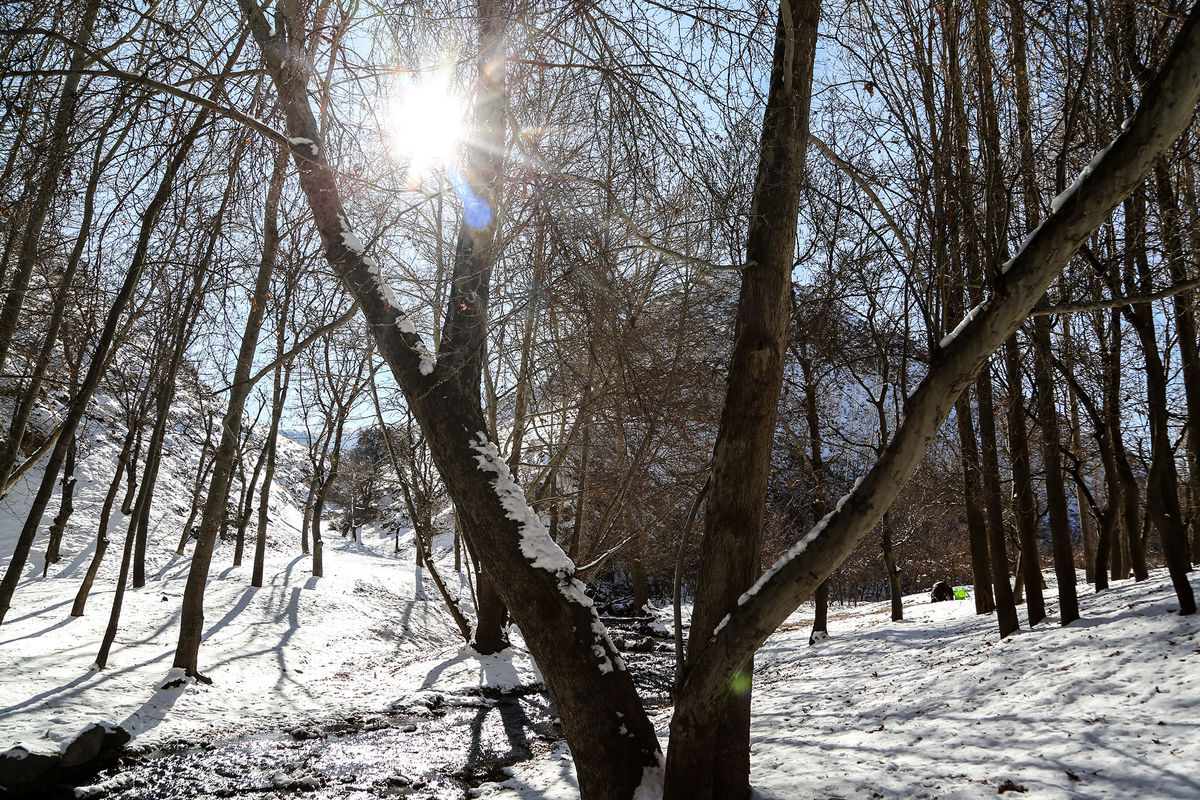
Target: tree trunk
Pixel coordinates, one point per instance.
(1024, 504)
(895, 594)
(1186, 341)
(820, 628)
(1006, 609)
(278, 394)
(977, 535)
(713, 760)
(204, 468)
(1087, 528)
(994, 252)
(66, 506)
(131, 469)
(1162, 483)
(1056, 496)
(191, 621)
(110, 499)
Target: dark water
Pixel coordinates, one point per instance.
(431, 747)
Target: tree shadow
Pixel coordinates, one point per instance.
(65, 621)
(232, 613)
(153, 712)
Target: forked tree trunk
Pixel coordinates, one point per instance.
(131, 482)
(1162, 483)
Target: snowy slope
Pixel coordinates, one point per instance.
(937, 706)
(298, 646)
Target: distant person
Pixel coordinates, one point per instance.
(941, 591)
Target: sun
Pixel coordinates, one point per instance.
(424, 124)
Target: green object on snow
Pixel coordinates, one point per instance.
(960, 594)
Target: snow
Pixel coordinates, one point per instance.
(372, 630)
(301, 141)
(793, 552)
(938, 706)
(352, 243)
(958, 329)
(1069, 192)
(935, 706)
(536, 544)
(428, 361)
(539, 547)
(651, 787)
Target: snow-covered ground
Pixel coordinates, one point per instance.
(354, 640)
(935, 706)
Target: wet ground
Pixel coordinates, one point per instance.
(437, 747)
(429, 746)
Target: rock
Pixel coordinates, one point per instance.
(97, 742)
(300, 734)
(85, 747)
(408, 729)
(20, 767)
(308, 784)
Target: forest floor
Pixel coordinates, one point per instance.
(935, 706)
(938, 706)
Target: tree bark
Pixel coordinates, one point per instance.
(66, 507)
(1056, 496)
(712, 760)
(995, 252)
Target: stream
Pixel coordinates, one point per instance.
(430, 746)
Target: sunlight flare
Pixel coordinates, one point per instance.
(424, 124)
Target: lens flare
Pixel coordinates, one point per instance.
(424, 124)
